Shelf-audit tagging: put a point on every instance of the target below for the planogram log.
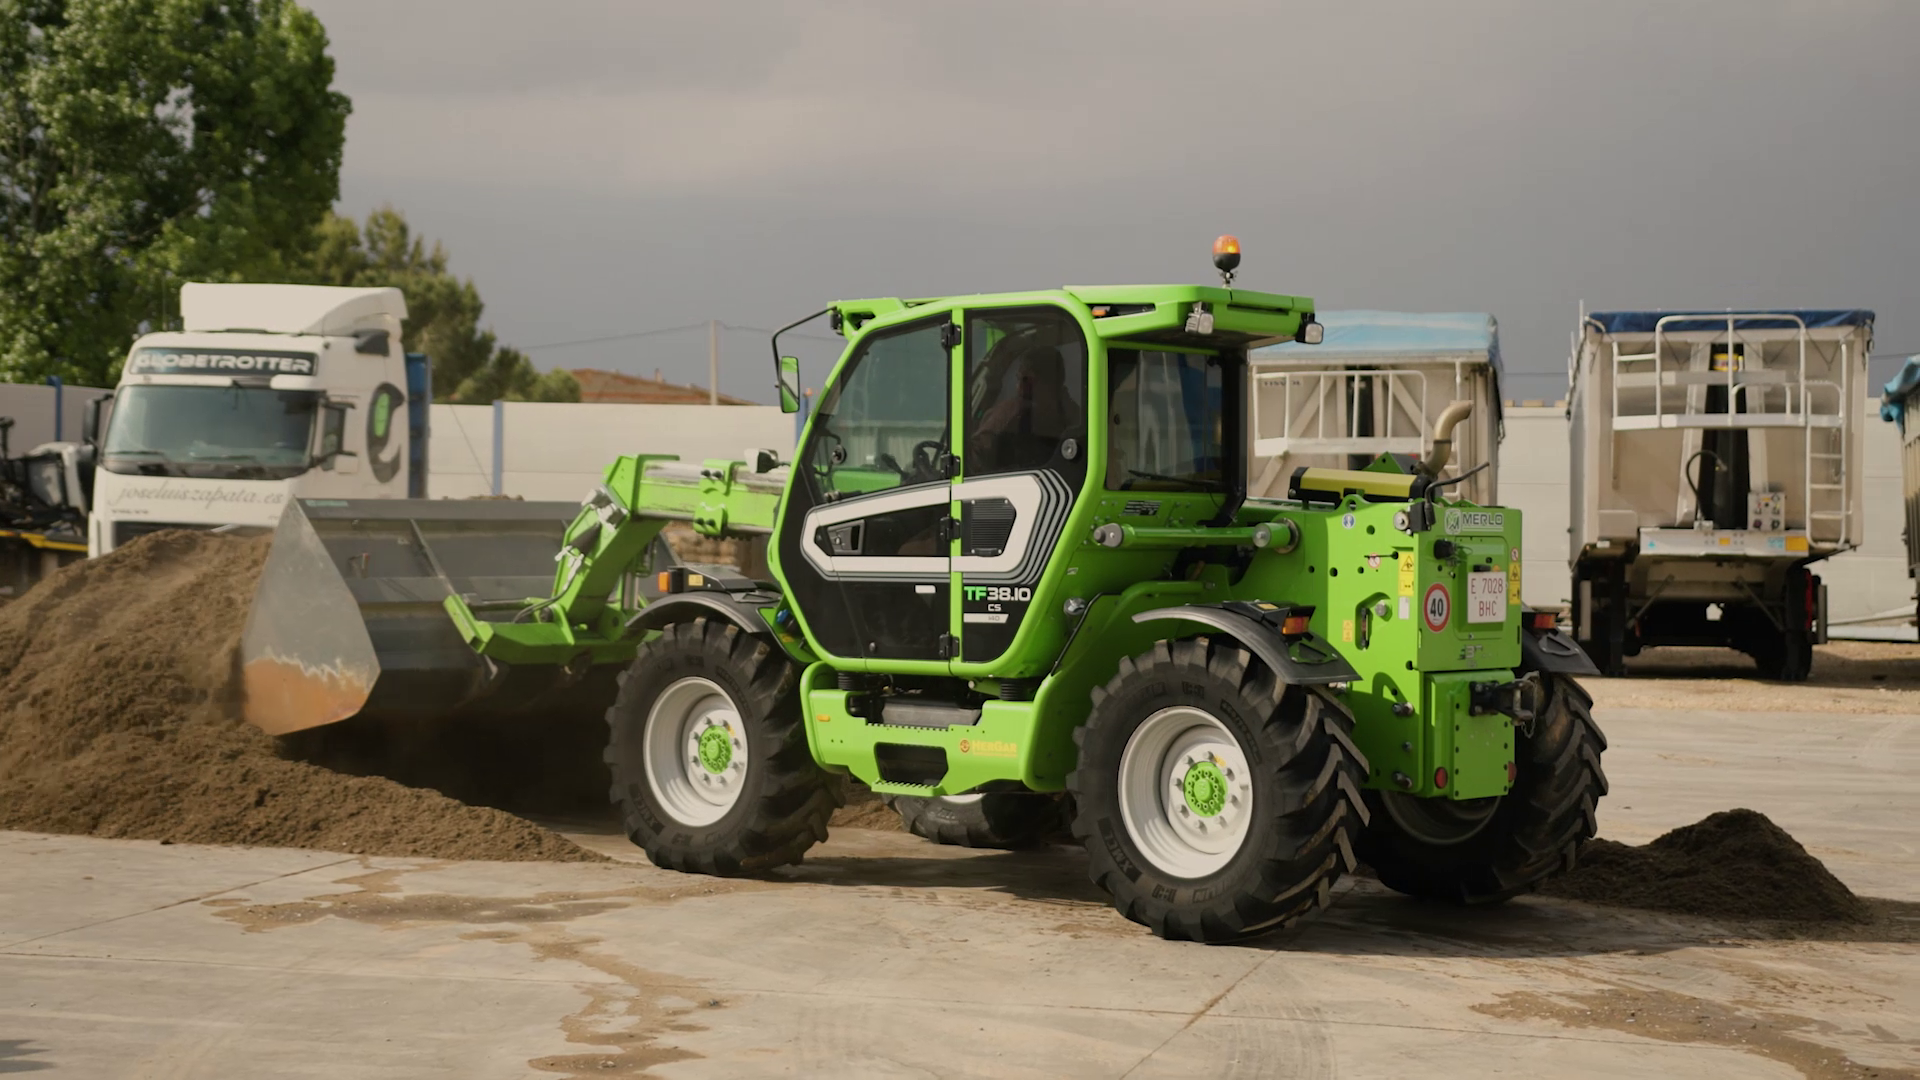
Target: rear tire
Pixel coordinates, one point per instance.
(989, 819)
(709, 756)
(1485, 851)
(1215, 801)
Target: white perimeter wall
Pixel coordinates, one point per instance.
(557, 451)
(31, 407)
(1533, 478)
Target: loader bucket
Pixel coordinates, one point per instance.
(348, 620)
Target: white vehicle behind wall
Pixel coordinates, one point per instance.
(267, 393)
(1714, 459)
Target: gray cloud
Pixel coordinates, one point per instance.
(608, 167)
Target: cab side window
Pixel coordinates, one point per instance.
(1026, 390)
(884, 423)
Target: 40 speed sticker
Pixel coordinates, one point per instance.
(1437, 607)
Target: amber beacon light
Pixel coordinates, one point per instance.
(1226, 257)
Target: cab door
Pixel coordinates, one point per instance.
(864, 547)
(1023, 461)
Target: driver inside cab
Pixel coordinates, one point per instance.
(1020, 407)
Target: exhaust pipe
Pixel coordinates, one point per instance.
(1442, 451)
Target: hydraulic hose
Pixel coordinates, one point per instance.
(1442, 451)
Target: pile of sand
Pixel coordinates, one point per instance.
(1735, 864)
(118, 718)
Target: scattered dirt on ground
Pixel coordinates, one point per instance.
(1735, 864)
(1680, 1018)
(118, 717)
(864, 810)
(1865, 677)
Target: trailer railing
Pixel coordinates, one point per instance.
(1751, 401)
(1322, 412)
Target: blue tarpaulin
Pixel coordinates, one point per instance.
(1354, 335)
(1893, 399)
(1642, 322)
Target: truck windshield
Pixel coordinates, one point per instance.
(241, 432)
(1168, 418)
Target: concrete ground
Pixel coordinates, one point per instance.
(887, 956)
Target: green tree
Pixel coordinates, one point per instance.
(443, 312)
(144, 143)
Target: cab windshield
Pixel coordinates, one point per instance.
(1168, 413)
(243, 432)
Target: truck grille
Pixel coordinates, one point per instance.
(125, 532)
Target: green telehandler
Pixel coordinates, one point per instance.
(1015, 581)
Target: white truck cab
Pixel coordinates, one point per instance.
(267, 393)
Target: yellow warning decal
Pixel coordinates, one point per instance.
(1346, 630)
(1513, 584)
(1406, 573)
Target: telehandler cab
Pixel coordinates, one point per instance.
(1015, 580)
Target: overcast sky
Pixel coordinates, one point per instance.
(605, 168)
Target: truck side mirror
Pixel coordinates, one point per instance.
(93, 426)
(789, 384)
(333, 434)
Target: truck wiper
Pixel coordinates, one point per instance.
(1192, 482)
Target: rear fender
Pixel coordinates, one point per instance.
(1554, 652)
(1306, 660)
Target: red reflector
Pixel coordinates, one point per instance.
(1513, 773)
(1544, 620)
(1294, 625)
(1440, 778)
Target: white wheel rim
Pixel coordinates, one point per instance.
(695, 752)
(1186, 794)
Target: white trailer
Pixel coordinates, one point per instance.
(1900, 401)
(1376, 385)
(1714, 458)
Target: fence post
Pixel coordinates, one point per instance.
(499, 445)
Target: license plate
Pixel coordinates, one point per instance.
(1487, 596)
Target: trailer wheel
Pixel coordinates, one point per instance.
(1784, 656)
(1215, 801)
(1483, 851)
(988, 819)
(709, 757)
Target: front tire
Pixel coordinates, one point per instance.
(709, 758)
(1215, 801)
(988, 819)
(1483, 851)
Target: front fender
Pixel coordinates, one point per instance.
(687, 606)
(1300, 661)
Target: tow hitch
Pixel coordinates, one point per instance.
(1520, 699)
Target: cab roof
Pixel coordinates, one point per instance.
(1134, 312)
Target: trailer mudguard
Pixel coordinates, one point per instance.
(1554, 652)
(742, 610)
(1306, 660)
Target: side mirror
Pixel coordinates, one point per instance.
(333, 434)
(789, 384)
(93, 426)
